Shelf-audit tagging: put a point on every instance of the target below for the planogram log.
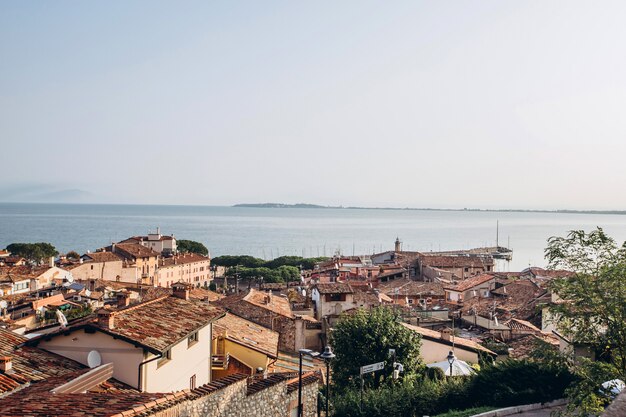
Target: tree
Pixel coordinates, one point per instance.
(34, 252)
(238, 260)
(592, 308)
(72, 255)
(190, 246)
(366, 337)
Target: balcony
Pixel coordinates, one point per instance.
(220, 362)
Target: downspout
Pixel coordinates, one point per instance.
(139, 373)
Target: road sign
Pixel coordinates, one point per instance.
(372, 367)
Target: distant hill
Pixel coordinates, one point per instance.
(281, 205)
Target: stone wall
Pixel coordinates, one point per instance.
(278, 399)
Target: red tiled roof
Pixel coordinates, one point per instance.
(470, 283)
(103, 256)
(458, 341)
(134, 250)
(334, 288)
(455, 261)
(185, 258)
(247, 333)
(29, 364)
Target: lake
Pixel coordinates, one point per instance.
(272, 232)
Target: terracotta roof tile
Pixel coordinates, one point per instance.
(247, 333)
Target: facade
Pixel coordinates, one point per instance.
(144, 259)
(23, 279)
(105, 266)
(191, 268)
(161, 345)
(241, 346)
(478, 286)
(459, 266)
(436, 346)
(165, 245)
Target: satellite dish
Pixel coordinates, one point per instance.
(3, 304)
(94, 359)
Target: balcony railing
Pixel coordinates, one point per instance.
(220, 361)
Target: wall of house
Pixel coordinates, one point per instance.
(233, 401)
(77, 345)
(196, 273)
(432, 352)
(186, 361)
(98, 270)
(247, 356)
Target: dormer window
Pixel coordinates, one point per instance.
(192, 339)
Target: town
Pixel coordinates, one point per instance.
(152, 326)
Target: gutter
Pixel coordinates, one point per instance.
(139, 373)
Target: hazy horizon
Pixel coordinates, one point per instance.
(490, 105)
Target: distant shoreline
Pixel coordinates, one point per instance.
(317, 206)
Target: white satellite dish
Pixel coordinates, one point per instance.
(94, 359)
(3, 304)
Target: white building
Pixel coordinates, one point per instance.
(160, 345)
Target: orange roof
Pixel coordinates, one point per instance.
(458, 341)
(246, 333)
(470, 283)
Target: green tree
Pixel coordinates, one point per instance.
(238, 260)
(592, 310)
(34, 252)
(190, 246)
(72, 255)
(366, 337)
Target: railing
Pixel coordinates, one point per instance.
(220, 361)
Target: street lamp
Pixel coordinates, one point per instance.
(312, 354)
(327, 355)
(451, 358)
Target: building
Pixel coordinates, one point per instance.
(24, 278)
(417, 294)
(274, 312)
(106, 266)
(191, 268)
(478, 286)
(436, 346)
(459, 267)
(144, 259)
(161, 345)
(165, 245)
(241, 346)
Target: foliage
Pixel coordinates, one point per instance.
(592, 310)
(503, 384)
(365, 337)
(212, 286)
(296, 261)
(190, 246)
(72, 255)
(495, 346)
(281, 274)
(238, 260)
(247, 261)
(466, 413)
(34, 252)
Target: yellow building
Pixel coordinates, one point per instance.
(241, 346)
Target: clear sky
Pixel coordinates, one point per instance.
(377, 103)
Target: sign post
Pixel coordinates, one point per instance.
(366, 369)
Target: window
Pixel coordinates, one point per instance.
(410, 301)
(91, 267)
(466, 269)
(192, 339)
(167, 356)
(192, 382)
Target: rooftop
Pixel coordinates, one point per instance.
(102, 256)
(334, 288)
(458, 341)
(455, 261)
(470, 283)
(246, 333)
(133, 250)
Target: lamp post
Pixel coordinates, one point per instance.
(451, 358)
(303, 352)
(327, 355)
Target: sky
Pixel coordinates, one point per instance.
(448, 104)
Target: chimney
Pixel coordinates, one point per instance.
(398, 245)
(92, 285)
(446, 334)
(113, 247)
(123, 299)
(51, 262)
(181, 290)
(6, 364)
(106, 319)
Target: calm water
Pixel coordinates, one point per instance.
(268, 233)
